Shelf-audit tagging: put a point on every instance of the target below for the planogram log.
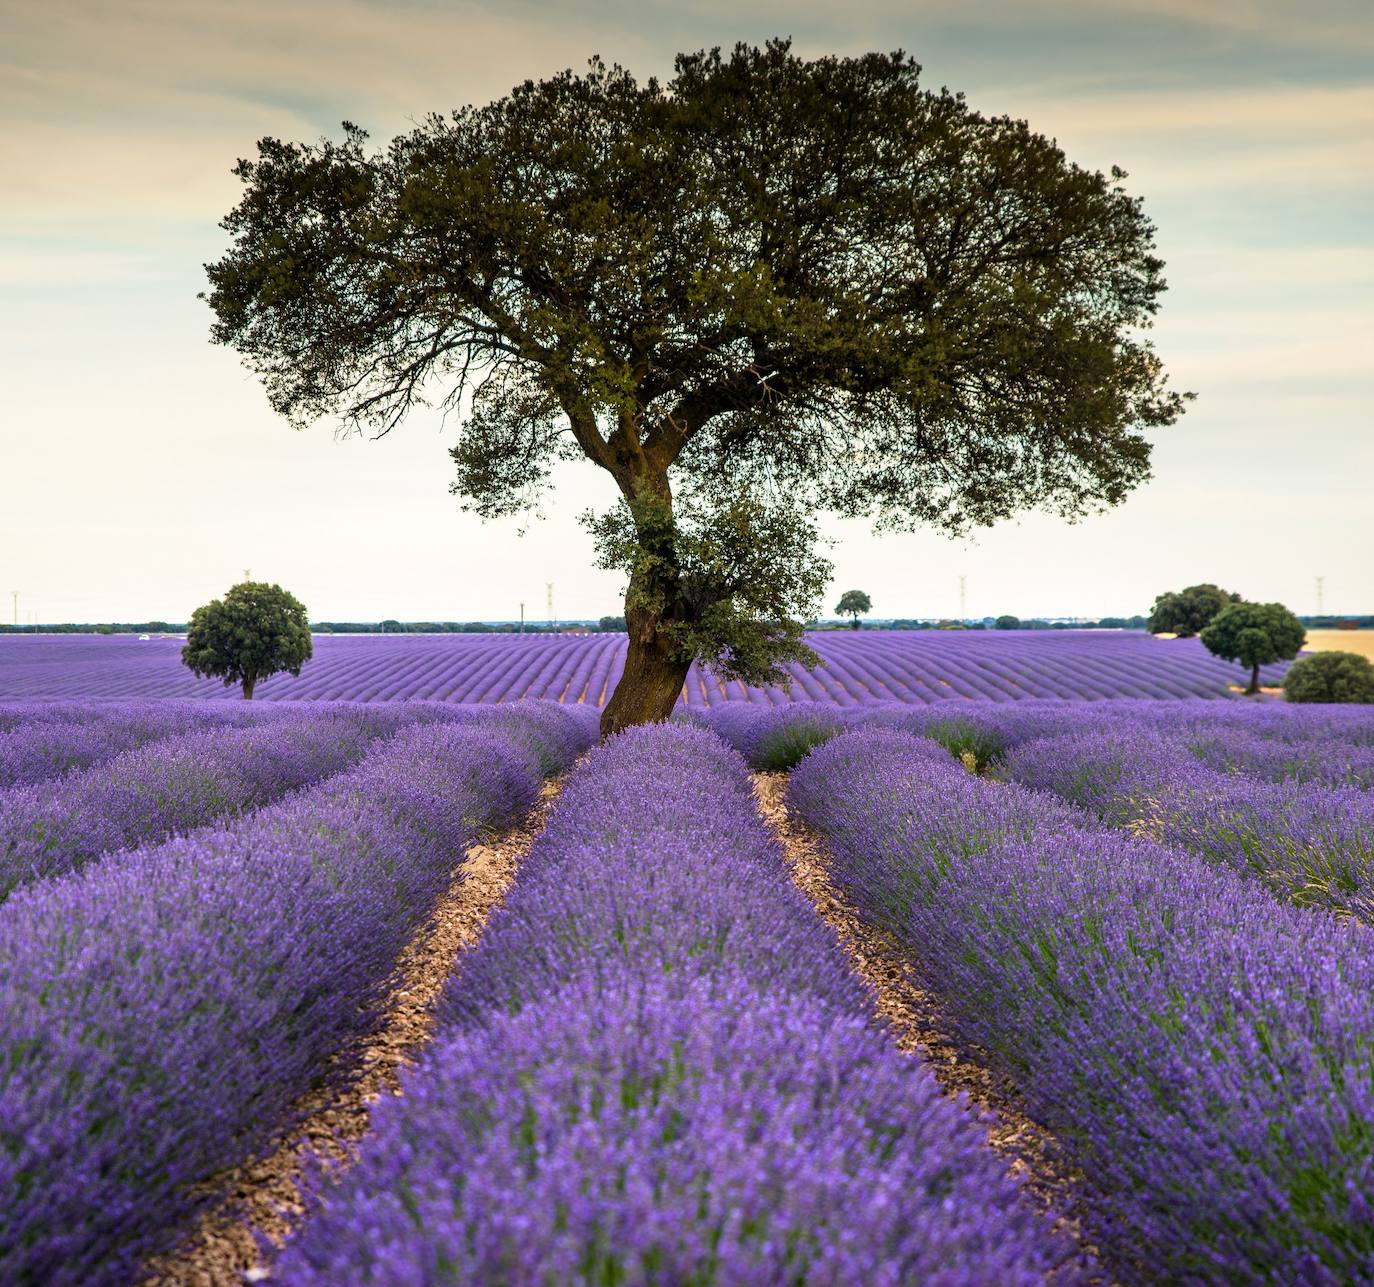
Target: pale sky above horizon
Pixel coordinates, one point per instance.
(142, 470)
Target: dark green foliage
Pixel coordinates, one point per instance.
(742, 574)
(968, 742)
(782, 749)
(799, 285)
(1008, 622)
(611, 625)
(1187, 612)
(1254, 634)
(1330, 677)
(852, 604)
(255, 631)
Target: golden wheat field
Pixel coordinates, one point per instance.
(1360, 641)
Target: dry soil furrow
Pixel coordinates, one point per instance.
(918, 1025)
(264, 1194)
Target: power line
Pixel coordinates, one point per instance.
(548, 588)
(1321, 583)
(963, 611)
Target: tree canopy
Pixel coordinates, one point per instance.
(853, 603)
(1254, 634)
(255, 631)
(1330, 677)
(1187, 612)
(767, 288)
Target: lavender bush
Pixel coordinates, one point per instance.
(656, 1068)
(1331, 760)
(773, 738)
(1309, 843)
(174, 785)
(162, 1013)
(1205, 1054)
(44, 747)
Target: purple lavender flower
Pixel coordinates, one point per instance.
(657, 1068)
(1202, 1051)
(162, 1011)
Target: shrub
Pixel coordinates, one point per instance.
(1330, 677)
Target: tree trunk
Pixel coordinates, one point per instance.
(1254, 681)
(856, 623)
(249, 684)
(652, 679)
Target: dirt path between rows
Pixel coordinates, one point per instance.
(264, 1194)
(919, 1026)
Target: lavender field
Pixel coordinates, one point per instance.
(1145, 927)
(857, 668)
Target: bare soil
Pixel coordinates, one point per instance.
(919, 1026)
(264, 1194)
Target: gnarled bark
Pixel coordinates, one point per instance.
(653, 676)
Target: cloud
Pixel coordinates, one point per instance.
(141, 107)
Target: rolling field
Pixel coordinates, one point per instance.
(1144, 927)
(912, 667)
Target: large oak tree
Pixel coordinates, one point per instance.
(767, 288)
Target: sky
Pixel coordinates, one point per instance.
(142, 470)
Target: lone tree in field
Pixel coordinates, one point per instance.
(852, 604)
(1187, 612)
(255, 631)
(767, 288)
(1254, 634)
(1330, 677)
(1007, 622)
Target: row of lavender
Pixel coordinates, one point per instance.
(41, 740)
(913, 667)
(656, 1068)
(1203, 1053)
(1280, 793)
(163, 1010)
(177, 783)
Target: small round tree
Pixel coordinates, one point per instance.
(1330, 677)
(852, 603)
(1008, 622)
(1187, 612)
(1254, 634)
(255, 631)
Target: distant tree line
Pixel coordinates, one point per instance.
(614, 625)
(605, 625)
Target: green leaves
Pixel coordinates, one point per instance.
(733, 577)
(1330, 677)
(1254, 634)
(807, 282)
(1185, 613)
(255, 631)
